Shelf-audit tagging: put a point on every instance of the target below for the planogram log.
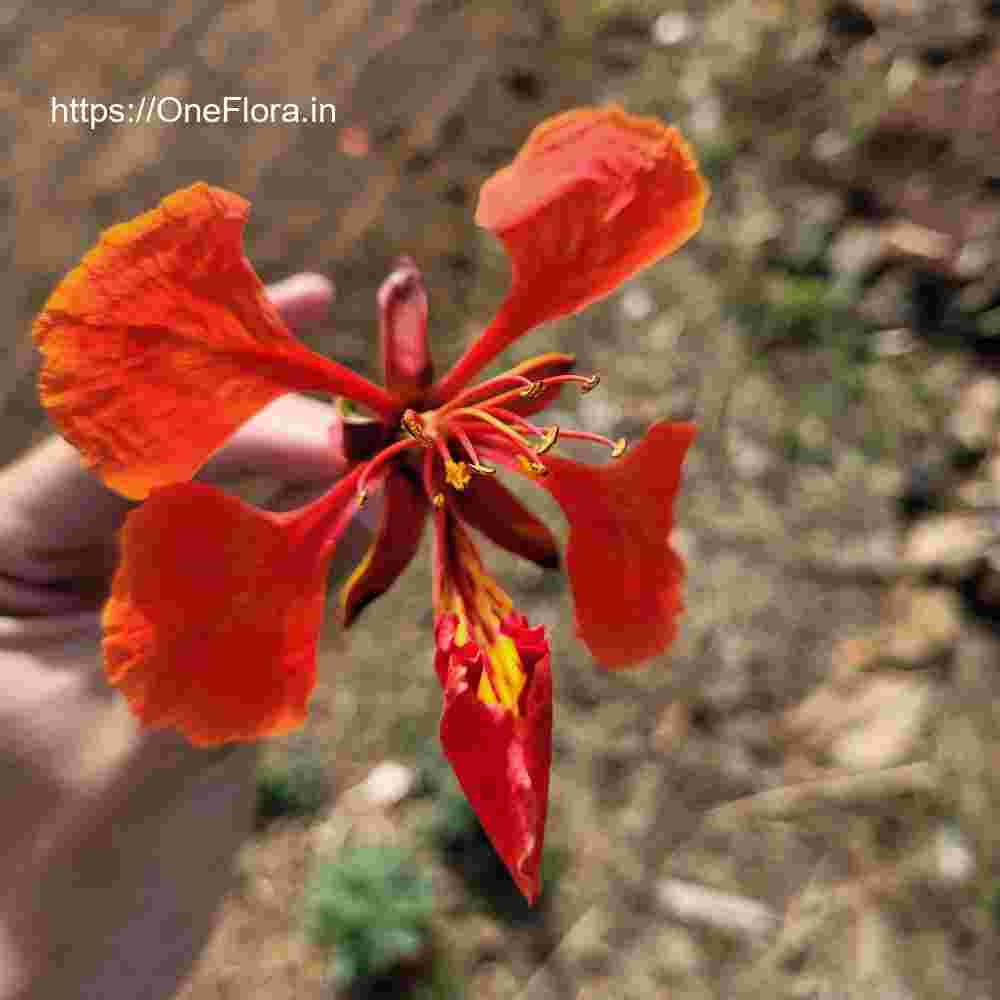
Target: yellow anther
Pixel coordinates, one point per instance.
(592, 382)
(619, 449)
(483, 470)
(549, 438)
(535, 468)
(413, 425)
(362, 498)
(438, 500)
(533, 391)
(456, 474)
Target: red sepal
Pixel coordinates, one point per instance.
(489, 507)
(404, 512)
(402, 308)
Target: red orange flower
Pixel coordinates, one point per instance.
(163, 342)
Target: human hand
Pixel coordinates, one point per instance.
(99, 897)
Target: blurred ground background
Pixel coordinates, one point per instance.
(822, 745)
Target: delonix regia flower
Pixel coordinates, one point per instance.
(162, 343)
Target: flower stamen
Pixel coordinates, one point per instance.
(456, 474)
(435, 495)
(532, 466)
(413, 424)
(475, 465)
(549, 437)
(461, 399)
(617, 447)
(379, 460)
(497, 424)
(534, 389)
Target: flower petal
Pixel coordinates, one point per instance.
(626, 578)
(491, 508)
(402, 308)
(215, 611)
(501, 758)
(162, 342)
(404, 512)
(594, 196)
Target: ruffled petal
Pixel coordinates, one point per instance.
(402, 307)
(501, 757)
(489, 507)
(625, 576)
(594, 196)
(215, 612)
(404, 512)
(162, 342)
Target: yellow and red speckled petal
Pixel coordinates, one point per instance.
(501, 757)
(162, 342)
(594, 196)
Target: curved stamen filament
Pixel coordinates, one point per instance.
(465, 441)
(520, 443)
(587, 383)
(495, 422)
(527, 461)
(413, 424)
(526, 389)
(522, 383)
(617, 447)
(549, 439)
(435, 496)
(442, 450)
(377, 462)
(549, 435)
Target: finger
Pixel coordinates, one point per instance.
(302, 299)
(289, 440)
(53, 513)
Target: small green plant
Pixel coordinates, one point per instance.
(807, 310)
(374, 909)
(292, 785)
(989, 901)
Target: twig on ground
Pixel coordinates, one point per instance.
(849, 791)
